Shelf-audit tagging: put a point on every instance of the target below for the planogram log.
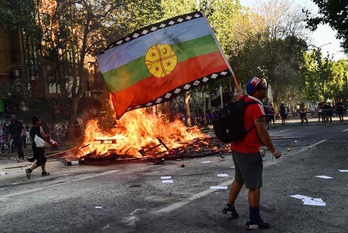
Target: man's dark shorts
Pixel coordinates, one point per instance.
(248, 169)
(39, 154)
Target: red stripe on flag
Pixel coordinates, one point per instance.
(151, 88)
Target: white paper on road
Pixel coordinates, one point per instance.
(222, 175)
(50, 197)
(3, 173)
(165, 177)
(325, 177)
(343, 170)
(98, 207)
(314, 202)
(299, 196)
(207, 161)
(218, 187)
(309, 200)
(167, 181)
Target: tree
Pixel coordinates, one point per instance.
(333, 13)
(284, 47)
(323, 78)
(18, 15)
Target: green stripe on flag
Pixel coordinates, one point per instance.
(196, 47)
(126, 75)
(135, 71)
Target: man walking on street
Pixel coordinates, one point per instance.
(247, 157)
(39, 152)
(16, 131)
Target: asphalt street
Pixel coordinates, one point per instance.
(131, 197)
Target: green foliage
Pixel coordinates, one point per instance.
(333, 13)
(324, 79)
(130, 16)
(18, 14)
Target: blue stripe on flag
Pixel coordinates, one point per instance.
(124, 53)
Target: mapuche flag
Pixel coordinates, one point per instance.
(161, 61)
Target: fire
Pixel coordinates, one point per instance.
(138, 129)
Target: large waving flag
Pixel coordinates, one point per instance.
(156, 63)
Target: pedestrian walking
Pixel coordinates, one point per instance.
(39, 152)
(340, 110)
(283, 113)
(320, 112)
(247, 158)
(328, 112)
(303, 113)
(16, 132)
(270, 115)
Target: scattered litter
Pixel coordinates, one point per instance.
(165, 177)
(314, 202)
(222, 175)
(221, 160)
(167, 181)
(106, 227)
(218, 187)
(299, 196)
(3, 173)
(343, 170)
(325, 177)
(309, 200)
(295, 141)
(50, 197)
(207, 161)
(99, 207)
(289, 149)
(182, 165)
(75, 162)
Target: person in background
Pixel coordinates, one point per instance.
(303, 113)
(283, 113)
(328, 109)
(340, 110)
(320, 111)
(16, 132)
(39, 152)
(247, 158)
(270, 117)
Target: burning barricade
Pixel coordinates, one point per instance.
(145, 136)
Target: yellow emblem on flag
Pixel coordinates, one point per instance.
(160, 60)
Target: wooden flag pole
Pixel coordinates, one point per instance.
(235, 80)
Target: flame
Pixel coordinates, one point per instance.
(138, 129)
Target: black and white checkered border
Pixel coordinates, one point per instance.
(184, 88)
(154, 27)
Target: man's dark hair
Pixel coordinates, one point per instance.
(35, 119)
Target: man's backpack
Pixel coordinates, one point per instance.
(229, 122)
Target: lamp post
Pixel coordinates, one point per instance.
(320, 46)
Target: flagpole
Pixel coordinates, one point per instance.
(222, 53)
